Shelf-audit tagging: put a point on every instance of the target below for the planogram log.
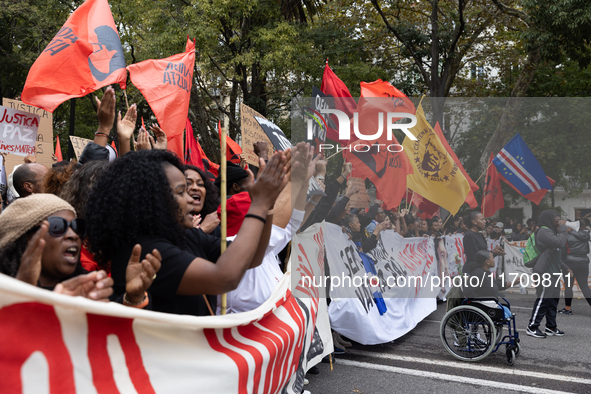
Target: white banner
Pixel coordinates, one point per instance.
(59, 344)
(357, 315)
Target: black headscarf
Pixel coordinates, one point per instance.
(547, 219)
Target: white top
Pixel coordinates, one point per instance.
(258, 283)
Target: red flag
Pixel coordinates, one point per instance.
(166, 85)
(114, 147)
(493, 196)
(233, 150)
(192, 153)
(380, 160)
(534, 197)
(426, 208)
(333, 86)
(470, 199)
(58, 150)
(195, 156)
(85, 55)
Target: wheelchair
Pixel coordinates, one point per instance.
(474, 329)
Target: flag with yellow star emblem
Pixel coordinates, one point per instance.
(436, 175)
(520, 168)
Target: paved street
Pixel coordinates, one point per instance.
(418, 362)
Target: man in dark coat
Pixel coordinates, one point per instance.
(550, 239)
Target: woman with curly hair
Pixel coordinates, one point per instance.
(57, 176)
(205, 199)
(142, 198)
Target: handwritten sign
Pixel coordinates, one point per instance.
(79, 144)
(251, 133)
(361, 199)
(44, 145)
(18, 131)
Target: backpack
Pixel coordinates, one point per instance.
(531, 253)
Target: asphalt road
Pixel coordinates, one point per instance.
(418, 362)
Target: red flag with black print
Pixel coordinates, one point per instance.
(84, 56)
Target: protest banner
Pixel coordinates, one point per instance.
(359, 317)
(361, 199)
(251, 132)
(60, 344)
(79, 144)
(44, 145)
(275, 134)
(316, 122)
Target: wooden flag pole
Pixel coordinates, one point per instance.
(224, 223)
(126, 102)
(483, 172)
(334, 154)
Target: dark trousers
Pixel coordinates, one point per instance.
(543, 307)
(581, 273)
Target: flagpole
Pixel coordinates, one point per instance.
(223, 193)
(411, 197)
(126, 102)
(483, 172)
(338, 151)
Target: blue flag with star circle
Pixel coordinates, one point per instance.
(519, 166)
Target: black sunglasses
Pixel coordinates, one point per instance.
(58, 226)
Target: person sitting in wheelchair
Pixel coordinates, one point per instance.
(482, 283)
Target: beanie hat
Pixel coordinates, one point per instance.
(234, 173)
(27, 212)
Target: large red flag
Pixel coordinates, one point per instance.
(380, 160)
(470, 199)
(58, 150)
(85, 55)
(333, 86)
(233, 150)
(534, 197)
(493, 196)
(166, 85)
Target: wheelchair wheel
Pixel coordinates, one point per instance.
(517, 349)
(510, 355)
(467, 333)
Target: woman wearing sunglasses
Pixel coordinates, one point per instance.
(40, 241)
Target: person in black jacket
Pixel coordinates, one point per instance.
(577, 259)
(474, 241)
(550, 239)
(358, 235)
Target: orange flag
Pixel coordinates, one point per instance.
(380, 159)
(166, 85)
(470, 199)
(233, 150)
(85, 55)
(58, 150)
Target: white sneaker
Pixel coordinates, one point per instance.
(306, 381)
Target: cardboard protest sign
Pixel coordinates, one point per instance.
(18, 131)
(361, 199)
(275, 134)
(44, 142)
(79, 144)
(251, 133)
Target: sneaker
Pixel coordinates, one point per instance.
(535, 333)
(554, 331)
(339, 351)
(565, 311)
(306, 381)
(313, 371)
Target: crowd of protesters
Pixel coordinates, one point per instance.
(143, 230)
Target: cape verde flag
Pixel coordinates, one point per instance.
(520, 167)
